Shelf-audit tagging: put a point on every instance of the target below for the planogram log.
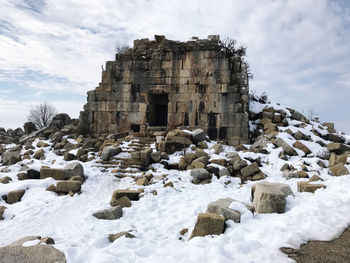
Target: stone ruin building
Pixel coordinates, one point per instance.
(169, 84)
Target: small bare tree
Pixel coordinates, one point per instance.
(42, 114)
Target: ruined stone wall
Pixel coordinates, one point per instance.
(170, 83)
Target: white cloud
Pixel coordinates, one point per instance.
(298, 49)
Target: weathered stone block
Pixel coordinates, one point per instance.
(208, 224)
(68, 186)
(55, 173)
(15, 196)
(270, 197)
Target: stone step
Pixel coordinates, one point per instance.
(136, 166)
(122, 175)
(124, 171)
(107, 166)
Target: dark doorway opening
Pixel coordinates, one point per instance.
(212, 130)
(135, 128)
(223, 133)
(158, 111)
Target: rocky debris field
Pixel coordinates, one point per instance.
(172, 196)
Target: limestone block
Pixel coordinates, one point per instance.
(15, 196)
(310, 188)
(221, 207)
(208, 224)
(337, 148)
(110, 213)
(335, 159)
(299, 145)
(339, 170)
(55, 173)
(270, 197)
(68, 186)
(133, 195)
(285, 146)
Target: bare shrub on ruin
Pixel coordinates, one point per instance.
(233, 50)
(121, 48)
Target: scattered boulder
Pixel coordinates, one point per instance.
(142, 181)
(208, 224)
(55, 173)
(68, 186)
(308, 187)
(177, 140)
(198, 163)
(198, 135)
(169, 184)
(237, 163)
(77, 178)
(67, 156)
(146, 156)
(202, 145)
(298, 116)
(336, 159)
(73, 169)
(302, 147)
(290, 174)
(286, 147)
(110, 213)
(183, 231)
(250, 170)
(42, 144)
(221, 162)
(109, 152)
(113, 237)
(339, 170)
(29, 127)
(57, 137)
(315, 178)
(11, 157)
(224, 172)
(270, 197)
(33, 174)
(156, 157)
(5, 180)
(199, 174)
(285, 167)
(321, 164)
(186, 161)
(218, 148)
(200, 153)
(123, 202)
(15, 196)
(60, 120)
(133, 195)
(51, 188)
(301, 136)
(222, 207)
(330, 126)
(31, 254)
(2, 210)
(39, 154)
(337, 148)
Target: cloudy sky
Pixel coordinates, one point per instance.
(299, 50)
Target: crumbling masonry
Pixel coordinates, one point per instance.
(171, 84)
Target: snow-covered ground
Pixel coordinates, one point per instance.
(156, 220)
